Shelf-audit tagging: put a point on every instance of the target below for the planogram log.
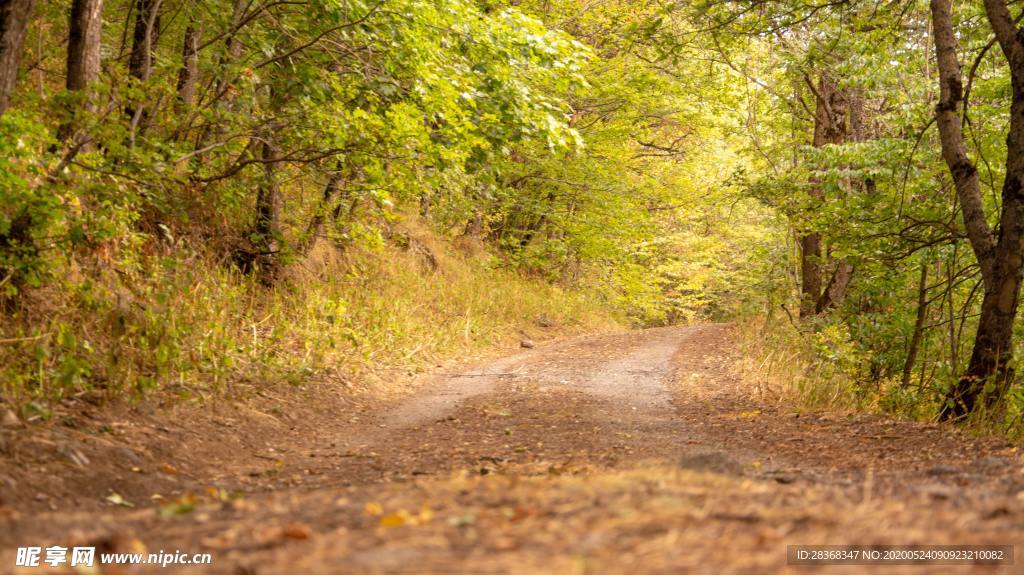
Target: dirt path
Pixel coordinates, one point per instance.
(635, 452)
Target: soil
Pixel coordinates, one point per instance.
(637, 452)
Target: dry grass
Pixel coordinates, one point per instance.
(799, 368)
(182, 324)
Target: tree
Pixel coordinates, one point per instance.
(1000, 255)
(188, 73)
(83, 53)
(14, 17)
(830, 128)
(140, 61)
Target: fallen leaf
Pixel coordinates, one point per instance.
(393, 520)
(462, 520)
(296, 531)
(180, 506)
(117, 499)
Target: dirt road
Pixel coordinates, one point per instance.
(636, 452)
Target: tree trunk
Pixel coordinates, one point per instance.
(810, 272)
(425, 205)
(475, 225)
(829, 128)
(954, 341)
(189, 71)
(83, 62)
(839, 284)
(14, 18)
(835, 292)
(334, 184)
(268, 214)
(83, 57)
(915, 338)
(989, 372)
(140, 62)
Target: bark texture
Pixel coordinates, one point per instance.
(83, 61)
(267, 230)
(989, 372)
(14, 18)
(189, 71)
(83, 57)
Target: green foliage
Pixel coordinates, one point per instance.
(192, 329)
(612, 153)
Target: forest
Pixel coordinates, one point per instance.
(219, 202)
(845, 168)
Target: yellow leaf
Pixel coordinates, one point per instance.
(425, 514)
(374, 508)
(393, 520)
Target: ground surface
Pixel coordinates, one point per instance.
(636, 452)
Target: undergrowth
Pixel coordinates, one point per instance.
(819, 367)
(184, 324)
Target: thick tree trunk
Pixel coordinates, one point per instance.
(839, 284)
(989, 372)
(993, 345)
(83, 62)
(83, 57)
(857, 131)
(14, 18)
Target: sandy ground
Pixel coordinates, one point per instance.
(626, 453)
